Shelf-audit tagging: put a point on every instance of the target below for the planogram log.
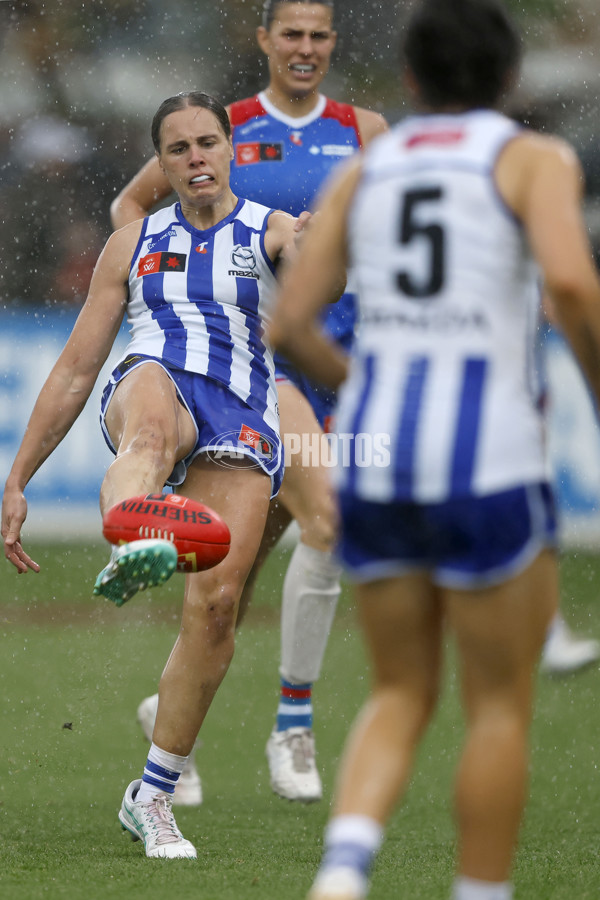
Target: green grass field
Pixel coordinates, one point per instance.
(73, 670)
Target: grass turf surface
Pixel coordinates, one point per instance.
(73, 670)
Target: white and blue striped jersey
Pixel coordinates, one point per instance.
(198, 300)
(444, 365)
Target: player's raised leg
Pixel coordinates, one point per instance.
(149, 440)
(310, 593)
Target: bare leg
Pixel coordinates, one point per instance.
(204, 647)
(150, 437)
(500, 634)
(402, 621)
(278, 520)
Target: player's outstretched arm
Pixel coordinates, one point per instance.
(69, 384)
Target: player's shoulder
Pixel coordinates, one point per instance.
(370, 124)
(125, 239)
(241, 111)
(530, 150)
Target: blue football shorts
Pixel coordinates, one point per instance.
(226, 427)
(466, 543)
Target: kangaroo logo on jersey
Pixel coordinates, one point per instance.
(162, 261)
(255, 152)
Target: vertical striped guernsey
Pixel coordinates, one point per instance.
(198, 300)
(449, 302)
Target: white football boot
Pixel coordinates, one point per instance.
(565, 652)
(188, 790)
(291, 756)
(134, 567)
(155, 825)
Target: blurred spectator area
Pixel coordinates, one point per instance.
(81, 79)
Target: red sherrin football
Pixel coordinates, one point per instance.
(200, 535)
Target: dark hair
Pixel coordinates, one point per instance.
(461, 51)
(181, 101)
(269, 7)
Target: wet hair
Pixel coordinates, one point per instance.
(183, 100)
(270, 7)
(461, 52)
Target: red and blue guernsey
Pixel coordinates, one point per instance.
(198, 300)
(282, 162)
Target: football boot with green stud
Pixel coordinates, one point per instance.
(134, 567)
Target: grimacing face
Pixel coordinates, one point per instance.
(195, 155)
(298, 45)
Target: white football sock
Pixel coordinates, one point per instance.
(161, 773)
(351, 844)
(310, 593)
(473, 889)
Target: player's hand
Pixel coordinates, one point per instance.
(14, 512)
(302, 221)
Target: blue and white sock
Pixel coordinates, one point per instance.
(351, 845)
(161, 774)
(473, 889)
(295, 706)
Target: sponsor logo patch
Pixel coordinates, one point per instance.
(161, 237)
(259, 442)
(441, 138)
(256, 151)
(163, 261)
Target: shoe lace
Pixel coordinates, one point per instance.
(161, 820)
(301, 749)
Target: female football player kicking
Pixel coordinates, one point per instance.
(287, 139)
(196, 380)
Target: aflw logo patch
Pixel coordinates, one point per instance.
(161, 262)
(246, 154)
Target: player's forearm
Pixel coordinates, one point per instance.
(316, 355)
(578, 317)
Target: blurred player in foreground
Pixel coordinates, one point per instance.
(286, 140)
(449, 222)
(196, 373)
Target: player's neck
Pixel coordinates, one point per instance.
(295, 107)
(205, 217)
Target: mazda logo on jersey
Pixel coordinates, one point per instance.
(243, 257)
(161, 262)
(254, 152)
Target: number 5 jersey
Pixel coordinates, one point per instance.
(444, 366)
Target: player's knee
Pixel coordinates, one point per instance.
(211, 613)
(152, 442)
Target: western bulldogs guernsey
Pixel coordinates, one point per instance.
(448, 299)
(197, 300)
(282, 162)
